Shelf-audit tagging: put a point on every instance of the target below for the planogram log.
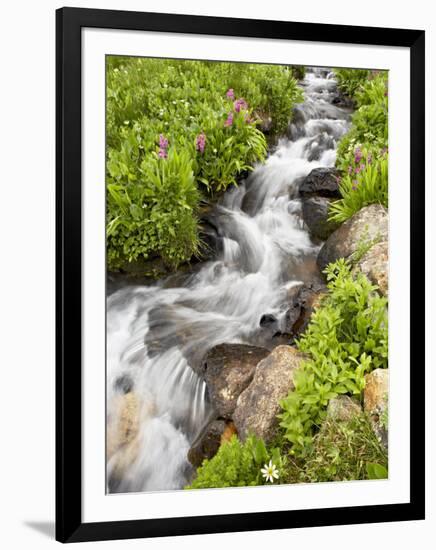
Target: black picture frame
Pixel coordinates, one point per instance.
(69, 525)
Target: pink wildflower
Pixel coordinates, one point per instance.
(200, 142)
(240, 104)
(163, 142)
(229, 120)
(230, 93)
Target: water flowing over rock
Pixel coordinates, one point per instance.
(368, 225)
(227, 370)
(321, 182)
(258, 250)
(375, 265)
(258, 406)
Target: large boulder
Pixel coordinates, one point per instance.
(367, 225)
(374, 264)
(227, 370)
(258, 406)
(321, 182)
(375, 401)
(315, 215)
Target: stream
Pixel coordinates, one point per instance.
(157, 335)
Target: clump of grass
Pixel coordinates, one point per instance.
(342, 451)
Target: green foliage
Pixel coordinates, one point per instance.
(350, 80)
(368, 185)
(155, 213)
(362, 153)
(376, 471)
(180, 101)
(347, 337)
(341, 451)
(369, 129)
(237, 464)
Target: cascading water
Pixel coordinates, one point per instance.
(158, 334)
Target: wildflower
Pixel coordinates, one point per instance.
(369, 158)
(355, 185)
(163, 142)
(357, 155)
(200, 142)
(350, 169)
(230, 93)
(229, 120)
(362, 166)
(240, 104)
(162, 153)
(270, 472)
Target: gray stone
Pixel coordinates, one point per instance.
(369, 224)
(227, 370)
(315, 215)
(258, 406)
(375, 265)
(321, 182)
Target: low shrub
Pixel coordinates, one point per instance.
(156, 214)
(347, 337)
(237, 464)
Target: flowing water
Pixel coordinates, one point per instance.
(157, 335)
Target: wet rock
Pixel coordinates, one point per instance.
(318, 145)
(211, 242)
(267, 320)
(343, 408)
(123, 423)
(258, 406)
(374, 264)
(124, 383)
(315, 215)
(303, 300)
(369, 224)
(321, 182)
(342, 101)
(209, 443)
(375, 401)
(216, 433)
(227, 370)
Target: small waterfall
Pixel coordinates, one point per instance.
(157, 335)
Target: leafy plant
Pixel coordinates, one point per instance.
(155, 213)
(236, 464)
(369, 129)
(362, 185)
(350, 80)
(347, 337)
(376, 471)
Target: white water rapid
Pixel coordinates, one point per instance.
(155, 334)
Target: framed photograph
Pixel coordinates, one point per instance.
(240, 248)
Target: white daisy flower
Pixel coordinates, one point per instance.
(270, 472)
